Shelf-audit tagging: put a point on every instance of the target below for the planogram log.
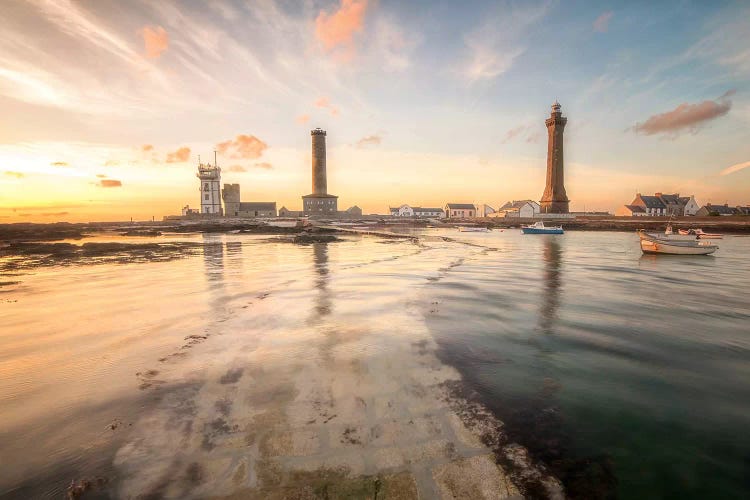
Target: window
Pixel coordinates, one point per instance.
(205, 187)
(205, 197)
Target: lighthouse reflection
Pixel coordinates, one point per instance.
(213, 258)
(323, 304)
(552, 256)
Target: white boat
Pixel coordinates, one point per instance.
(473, 229)
(670, 244)
(700, 234)
(540, 228)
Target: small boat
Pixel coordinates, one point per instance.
(668, 234)
(540, 228)
(473, 229)
(673, 245)
(700, 234)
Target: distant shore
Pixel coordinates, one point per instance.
(23, 231)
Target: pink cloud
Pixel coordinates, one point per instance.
(109, 183)
(147, 147)
(155, 41)
(686, 116)
(302, 119)
(336, 31)
(325, 103)
(246, 147)
(601, 25)
(179, 156)
(264, 165)
(237, 168)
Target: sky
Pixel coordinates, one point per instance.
(106, 105)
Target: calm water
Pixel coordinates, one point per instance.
(628, 375)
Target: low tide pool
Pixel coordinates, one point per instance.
(251, 366)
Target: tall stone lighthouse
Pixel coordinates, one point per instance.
(554, 200)
(210, 176)
(319, 202)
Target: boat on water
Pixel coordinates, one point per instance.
(473, 229)
(540, 228)
(700, 234)
(674, 244)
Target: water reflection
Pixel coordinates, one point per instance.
(552, 256)
(323, 303)
(213, 258)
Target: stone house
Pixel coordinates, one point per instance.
(460, 210)
(661, 204)
(631, 211)
(233, 207)
(723, 210)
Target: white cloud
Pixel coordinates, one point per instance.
(499, 40)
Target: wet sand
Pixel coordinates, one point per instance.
(302, 384)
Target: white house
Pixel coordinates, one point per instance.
(691, 206)
(527, 209)
(486, 210)
(409, 211)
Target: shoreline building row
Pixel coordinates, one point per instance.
(321, 204)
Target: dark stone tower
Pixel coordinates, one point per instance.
(319, 181)
(554, 200)
(319, 202)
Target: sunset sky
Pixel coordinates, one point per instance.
(106, 105)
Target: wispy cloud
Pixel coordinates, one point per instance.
(302, 119)
(236, 169)
(527, 133)
(155, 41)
(723, 45)
(147, 147)
(370, 140)
(735, 168)
(686, 117)
(246, 147)
(17, 175)
(109, 183)
(181, 155)
(601, 24)
(499, 40)
(335, 31)
(325, 103)
(264, 165)
(59, 164)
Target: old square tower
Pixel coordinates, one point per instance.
(319, 202)
(554, 200)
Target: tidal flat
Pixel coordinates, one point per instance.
(443, 365)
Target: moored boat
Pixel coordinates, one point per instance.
(656, 244)
(700, 234)
(540, 228)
